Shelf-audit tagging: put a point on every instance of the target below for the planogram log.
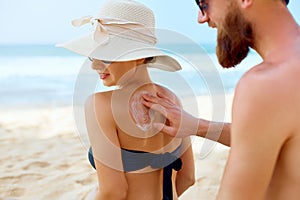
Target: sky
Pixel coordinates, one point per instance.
(48, 21)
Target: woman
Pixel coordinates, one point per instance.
(132, 159)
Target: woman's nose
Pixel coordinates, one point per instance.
(202, 17)
(101, 69)
(99, 66)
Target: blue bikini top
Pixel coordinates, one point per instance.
(134, 160)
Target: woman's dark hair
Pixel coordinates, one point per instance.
(149, 59)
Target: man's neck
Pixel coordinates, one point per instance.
(274, 31)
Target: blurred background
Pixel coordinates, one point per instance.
(33, 72)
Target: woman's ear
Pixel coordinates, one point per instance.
(140, 61)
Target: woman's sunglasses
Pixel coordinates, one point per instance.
(104, 61)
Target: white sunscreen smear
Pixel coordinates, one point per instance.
(142, 116)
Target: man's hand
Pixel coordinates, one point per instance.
(179, 123)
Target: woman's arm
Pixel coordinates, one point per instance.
(112, 184)
(106, 148)
(186, 176)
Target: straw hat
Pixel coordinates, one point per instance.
(123, 31)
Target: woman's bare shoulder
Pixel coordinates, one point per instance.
(99, 96)
(168, 93)
(99, 100)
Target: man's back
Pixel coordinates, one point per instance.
(264, 161)
(285, 180)
(265, 132)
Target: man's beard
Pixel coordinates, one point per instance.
(235, 37)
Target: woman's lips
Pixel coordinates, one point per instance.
(103, 76)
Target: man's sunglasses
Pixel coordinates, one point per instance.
(202, 5)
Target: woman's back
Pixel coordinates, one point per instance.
(132, 159)
(142, 136)
(135, 133)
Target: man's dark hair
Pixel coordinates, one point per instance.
(286, 1)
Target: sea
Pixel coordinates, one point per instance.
(45, 75)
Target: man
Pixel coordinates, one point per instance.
(265, 132)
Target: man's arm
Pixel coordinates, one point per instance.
(183, 124)
(257, 137)
(216, 131)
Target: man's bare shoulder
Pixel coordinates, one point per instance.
(272, 79)
(258, 83)
(270, 90)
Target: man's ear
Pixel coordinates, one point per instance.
(246, 3)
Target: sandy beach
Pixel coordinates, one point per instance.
(43, 157)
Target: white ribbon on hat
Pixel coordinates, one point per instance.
(106, 26)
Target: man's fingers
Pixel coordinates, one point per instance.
(165, 102)
(147, 104)
(150, 98)
(164, 128)
(158, 108)
(158, 126)
(161, 95)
